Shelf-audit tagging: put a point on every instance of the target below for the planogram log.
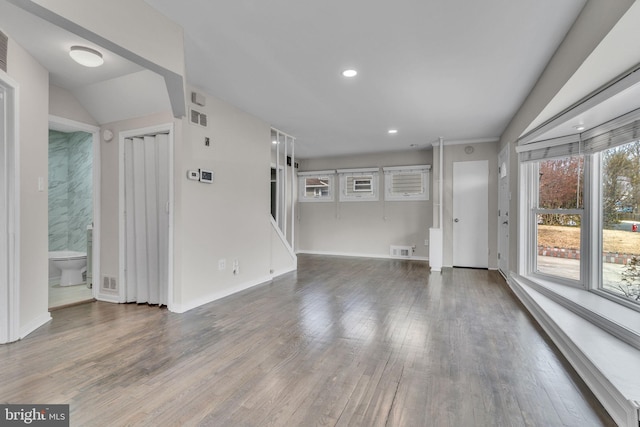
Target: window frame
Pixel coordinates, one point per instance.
(372, 174)
(329, 175)
(591, 244)
(390, 172)
(533, 194)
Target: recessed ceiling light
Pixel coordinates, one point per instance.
(86, 56)
(579, 127)
(274, 142)
(349, 73)
(392, 131)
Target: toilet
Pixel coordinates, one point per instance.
(72, 264)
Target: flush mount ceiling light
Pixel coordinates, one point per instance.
(86, 56)
(349, 73)
(392, 131)
(579, 127)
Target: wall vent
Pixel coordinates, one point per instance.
(109, 283)
(4, 42)
(400, 251)
(198, 118)
(198, 99)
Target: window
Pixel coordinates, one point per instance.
(358, 184)
(581, 210)
(362, 185)
(559, 217)
(619, 226)
(316, 186)
(406, 182)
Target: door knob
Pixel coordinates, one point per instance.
(456, 220)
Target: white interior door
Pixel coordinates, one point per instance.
(471, 214)
(503, 211)
(146, 190)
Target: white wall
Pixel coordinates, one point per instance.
(228, 219)
(364, 228)
(33, 102)
(62, 103)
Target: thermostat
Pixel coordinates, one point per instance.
(193, 175)
(206, 176)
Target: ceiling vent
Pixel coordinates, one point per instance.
(198, 118)
(4, 41)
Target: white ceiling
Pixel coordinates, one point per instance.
(117, 90)
(457, 68)
(50, 45)
(424, 67)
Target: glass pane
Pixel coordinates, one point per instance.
(620, 221)
(317, 187)
(362, 184)
(558, 241)
(561, 183)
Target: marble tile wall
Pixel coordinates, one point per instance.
(70, 190)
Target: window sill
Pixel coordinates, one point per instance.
(594, 334)
(620, 321)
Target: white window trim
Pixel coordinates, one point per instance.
(364, 196)
(302, 176)
(554, 287)
(390, 171)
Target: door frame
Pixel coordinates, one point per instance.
(503, 260)
(10, 254)
(168, 127)
(68, 125)
(486, 216)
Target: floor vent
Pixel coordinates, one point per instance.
(109, 283)
(400, 251)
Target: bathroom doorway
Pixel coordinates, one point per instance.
(9, 212)
(73, 190)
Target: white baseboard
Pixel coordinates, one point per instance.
(108, 298)
(190, 305)
(284, 271)
(360, 255)
(558, 323)
(34, 324)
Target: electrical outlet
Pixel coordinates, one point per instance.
(222, 264)
(426, 242)
(236, 267)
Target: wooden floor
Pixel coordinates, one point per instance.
(344, 341)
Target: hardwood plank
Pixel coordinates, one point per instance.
(342, 341)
